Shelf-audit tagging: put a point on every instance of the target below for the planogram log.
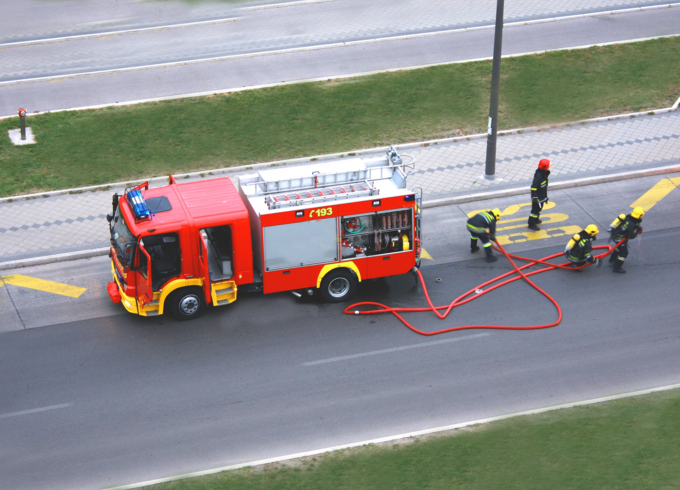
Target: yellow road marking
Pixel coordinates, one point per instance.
(537, 235)
(512, 209)
(43, 285)
(656, 193)
(425, 255)
(546, 218)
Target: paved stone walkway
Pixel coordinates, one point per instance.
(74, 222)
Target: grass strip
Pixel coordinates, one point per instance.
(117, 144)
(630, 443)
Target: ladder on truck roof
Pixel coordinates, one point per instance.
(320, 194)
(286, 188)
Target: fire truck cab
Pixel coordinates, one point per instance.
(324, 226)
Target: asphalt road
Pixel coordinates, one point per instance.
(105, 62)
(116, 399)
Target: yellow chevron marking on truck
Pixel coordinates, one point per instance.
(43, 285)
(658, 191)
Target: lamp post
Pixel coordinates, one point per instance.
(492, 130)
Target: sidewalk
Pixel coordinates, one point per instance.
(76, 221)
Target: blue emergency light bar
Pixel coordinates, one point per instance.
(138, 205)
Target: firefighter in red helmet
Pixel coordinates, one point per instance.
(539, 193)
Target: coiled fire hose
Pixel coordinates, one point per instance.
(473, 294)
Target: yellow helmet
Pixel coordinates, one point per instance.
(638, 213)
(592, 230)
(497, 213)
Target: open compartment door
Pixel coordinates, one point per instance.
(204, 266)
(144, 280)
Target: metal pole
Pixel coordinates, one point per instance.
(22, 119)
(495, 89)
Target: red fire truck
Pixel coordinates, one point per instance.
(324, 226)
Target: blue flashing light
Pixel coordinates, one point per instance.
(410, 197)
(138, 205)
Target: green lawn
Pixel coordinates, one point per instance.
(122, 143)
(633, 443)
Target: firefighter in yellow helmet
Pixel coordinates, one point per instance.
(624, 227)
(482, 226)
(579, 250)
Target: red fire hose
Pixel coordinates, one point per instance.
(472, 294)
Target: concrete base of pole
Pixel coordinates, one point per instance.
(489, 177)
(15, 137)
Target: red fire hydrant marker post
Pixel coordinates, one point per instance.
(22, 119)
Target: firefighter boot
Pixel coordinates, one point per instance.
(473, 245)
(532, 223)
(618, 266)
(490, 257)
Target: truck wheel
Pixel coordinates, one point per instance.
(338, 285)
(186, 303)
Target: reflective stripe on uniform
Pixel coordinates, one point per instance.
(487, 244)
(476, 229)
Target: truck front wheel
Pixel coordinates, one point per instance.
(338, 285)
(186, 303)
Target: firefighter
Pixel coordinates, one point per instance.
(539, 193)
(579, 250)
(482, 226)
(624, 227)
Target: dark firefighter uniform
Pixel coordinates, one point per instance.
(579, 250)
(624, 227)
(482, 226)
(539, 193)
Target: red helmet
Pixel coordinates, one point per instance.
(544, 164)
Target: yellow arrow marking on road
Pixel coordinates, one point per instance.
(656, 193)
(425, 255)
(43, 285)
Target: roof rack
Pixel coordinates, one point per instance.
(321, 194)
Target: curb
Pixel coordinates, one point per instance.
(480, 196)
(330, 156)
(51, 259)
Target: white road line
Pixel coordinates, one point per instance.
(393, 438)
(394, 349)
(355, 43)
(117, 33)
(35, 410)
(283, 4)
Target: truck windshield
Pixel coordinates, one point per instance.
(121, 238)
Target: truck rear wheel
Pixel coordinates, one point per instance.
(186, 303)
(338, 285)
